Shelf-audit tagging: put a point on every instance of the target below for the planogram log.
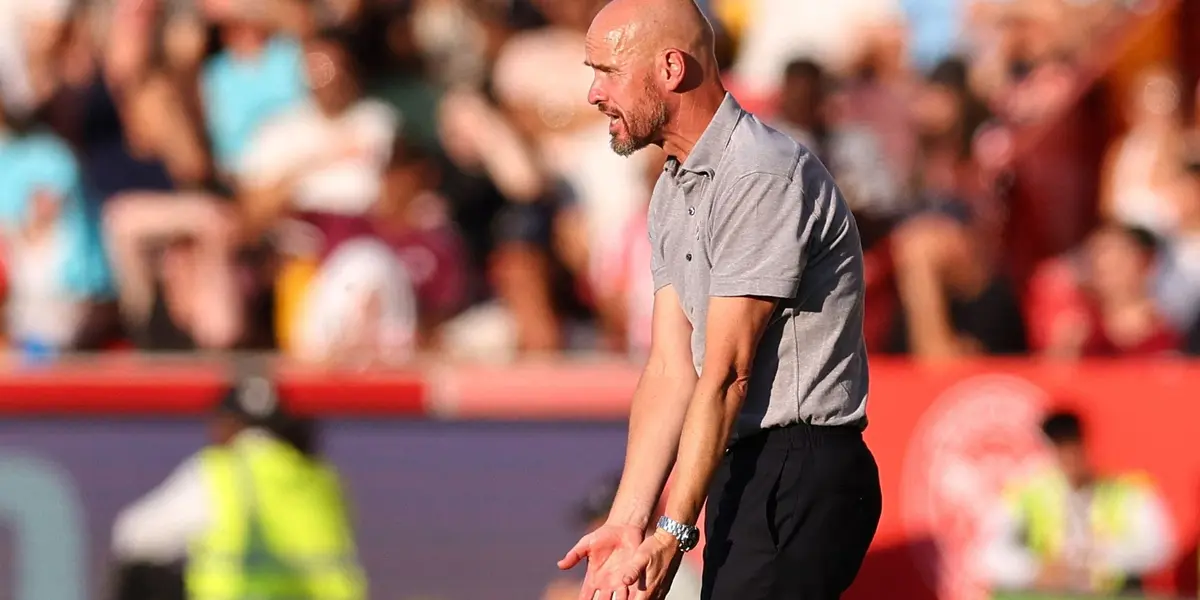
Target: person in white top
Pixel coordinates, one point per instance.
(326, 155)
(1144, 167)
(39, 310)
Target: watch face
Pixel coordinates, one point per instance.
(689, 540)
(688, 536)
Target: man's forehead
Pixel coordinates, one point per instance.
(617, 43)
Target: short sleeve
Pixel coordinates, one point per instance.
(658, 260)
(759, 230)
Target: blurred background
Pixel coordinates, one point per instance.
(409, 216)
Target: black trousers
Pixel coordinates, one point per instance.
(791, 513)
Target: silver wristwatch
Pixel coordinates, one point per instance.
(687, 535)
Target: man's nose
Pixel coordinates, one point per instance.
(595, 95)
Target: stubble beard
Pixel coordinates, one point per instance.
(641, 128)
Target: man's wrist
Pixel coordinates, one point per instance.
(665, 537)
(627, 519)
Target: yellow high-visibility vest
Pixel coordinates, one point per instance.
(280, 529)
(1042, 502)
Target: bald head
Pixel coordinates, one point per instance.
(650, 27)
(649, 56)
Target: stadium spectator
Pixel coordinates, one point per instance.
(321, 157)
(813, 111)
(54, 259)
(171, 106)
(395, 71)
(1144, 167)
(1071, 529)
(507, 205)
(391, 278)
(1099, 302)
(146, 164)
(258, 73)
(956, 298)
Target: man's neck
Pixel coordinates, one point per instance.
(696, 111)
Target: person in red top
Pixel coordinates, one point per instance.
(412, 220)
(1099, 302)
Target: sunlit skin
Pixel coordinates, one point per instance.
(655, 74)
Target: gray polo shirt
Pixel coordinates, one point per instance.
(753, 213)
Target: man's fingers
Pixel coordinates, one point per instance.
(570, 560)
(633, 573)
(588, 591)
(575, 555)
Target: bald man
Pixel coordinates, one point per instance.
(756, 383)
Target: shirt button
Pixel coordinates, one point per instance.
(691, 210)
(689, 256)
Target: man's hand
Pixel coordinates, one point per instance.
(652, 568)
(606, 549)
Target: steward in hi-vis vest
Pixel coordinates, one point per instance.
(1068, 529)
(256, 515)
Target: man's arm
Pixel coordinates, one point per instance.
(158, 527)
(656, 417)
(1004, 561)
(1148, 542)
(760, 232)
(734, 328)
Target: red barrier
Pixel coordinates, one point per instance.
(946, 438)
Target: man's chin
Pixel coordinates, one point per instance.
(623, 147)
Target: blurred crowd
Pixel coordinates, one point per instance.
(363, 180)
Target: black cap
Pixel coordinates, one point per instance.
(1063, 427)
(253, 400)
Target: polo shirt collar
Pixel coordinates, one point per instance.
(709, 149)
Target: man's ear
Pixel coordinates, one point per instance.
(675, 69)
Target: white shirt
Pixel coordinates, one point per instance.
(39, 309)
(780, 31)
(1137, 199)
(159, 527)
(336, 180)
(1008, 564)
(360, 307)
